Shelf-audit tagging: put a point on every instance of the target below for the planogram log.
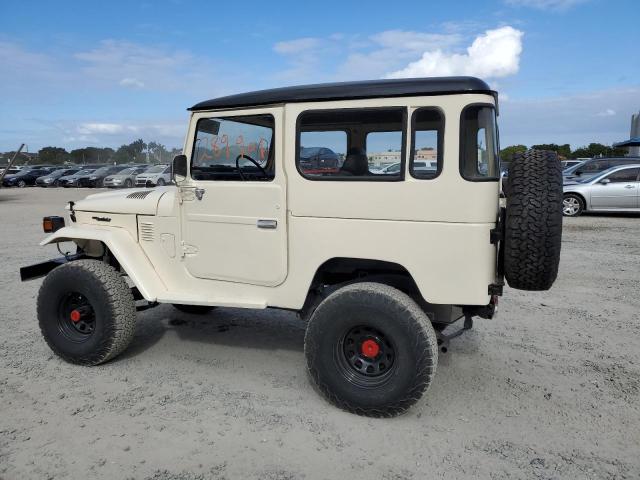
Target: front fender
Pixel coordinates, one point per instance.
(124, 248)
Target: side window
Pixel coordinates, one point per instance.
(384, 152)
(234, 148)
(352, 144)
(479, 143)
(427, 127)
(322, 152)
(624, 176)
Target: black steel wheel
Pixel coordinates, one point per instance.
(365, 356)
(86, 312)
(371, 349)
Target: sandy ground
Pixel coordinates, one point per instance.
(549, 389)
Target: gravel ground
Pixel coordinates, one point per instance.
(549, 389)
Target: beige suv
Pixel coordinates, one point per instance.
(379, 263)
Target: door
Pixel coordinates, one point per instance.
(234, 205)
(619, 190)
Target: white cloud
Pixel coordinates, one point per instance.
(105, 128)
(414, 41)
(606, 113)
(296, 46)
(569, 118)
(558, 5)
(494, 54)
(131, 82)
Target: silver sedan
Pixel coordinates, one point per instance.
(614, 190)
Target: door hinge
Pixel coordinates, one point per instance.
(186, 249)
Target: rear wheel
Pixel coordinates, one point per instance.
(193, 309)
(572, 205)
(86, 312)
(371, 349)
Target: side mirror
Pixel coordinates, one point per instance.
(179, 173)
(605, 181)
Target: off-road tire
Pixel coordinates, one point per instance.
(193, 309)
(112, 303)
(533, 226)
(402, 322)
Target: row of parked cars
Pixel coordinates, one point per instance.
(93, 176)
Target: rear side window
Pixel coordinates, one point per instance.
(479, 159)
(352, 144)
(427, 126)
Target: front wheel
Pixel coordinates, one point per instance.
(86, 312)
(371, 349)
(572, 205)
(161, 182)
(22, 184)
(128, 183)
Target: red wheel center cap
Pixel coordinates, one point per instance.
(75, 316)
(370, 348)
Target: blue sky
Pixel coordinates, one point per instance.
(79, 74)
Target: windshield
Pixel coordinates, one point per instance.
(102, 171)
(156, 169)
(84, 172)
(127, 171)
(573, 168)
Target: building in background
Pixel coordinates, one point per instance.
(633, 144)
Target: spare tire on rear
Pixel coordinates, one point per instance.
(533, 225)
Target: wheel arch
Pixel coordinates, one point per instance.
(340, 271)
(101, 243)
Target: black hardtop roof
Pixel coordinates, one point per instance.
(402, 87)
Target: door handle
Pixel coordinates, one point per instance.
(629, 186)
(267, 224)
(199, 193)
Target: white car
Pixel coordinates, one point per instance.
(158, 175)
(378, 267)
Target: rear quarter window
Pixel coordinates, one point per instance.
(479, 160)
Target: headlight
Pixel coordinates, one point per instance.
(48, 180)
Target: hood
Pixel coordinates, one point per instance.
(138, 201)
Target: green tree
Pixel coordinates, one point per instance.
(563, 151)
(158, 152)
(53, 155)
(506, 154)
(597, 150)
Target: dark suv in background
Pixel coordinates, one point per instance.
(591, 168)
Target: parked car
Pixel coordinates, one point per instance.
(157, 175)
(25, 177)
(124, 178)
(78, 179)
(379, 271)
(96, 179)
(590, 168)
(570, 163)
(318, 160)
(51, 179)
(614, 190)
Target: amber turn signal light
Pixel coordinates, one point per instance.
(51, 224)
